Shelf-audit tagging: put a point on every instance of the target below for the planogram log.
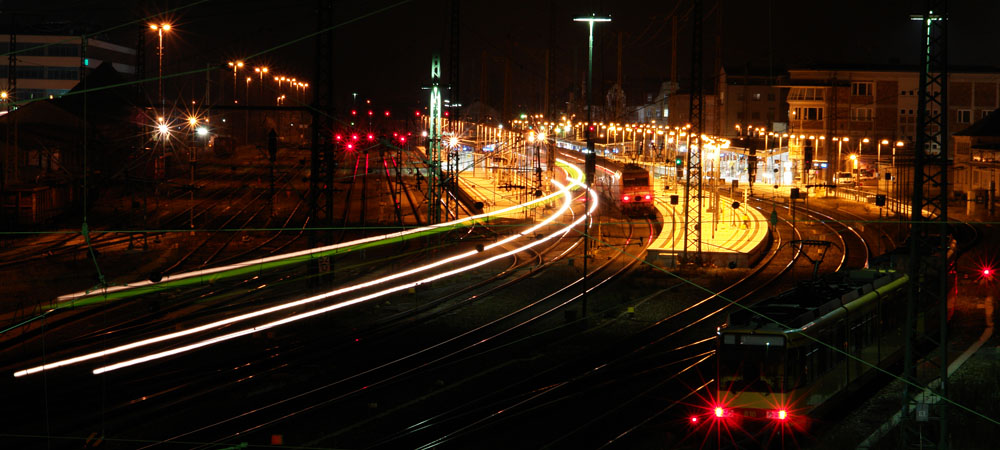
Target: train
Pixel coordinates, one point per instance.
(636, 192)
(784, 361)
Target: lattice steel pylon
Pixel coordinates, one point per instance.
(435, 187)
(929, 238)
(692, 188)
(323, 165)
(454, 59)
(10, 149)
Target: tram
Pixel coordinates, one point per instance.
(786, 357)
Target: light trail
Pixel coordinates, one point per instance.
(297, 317)
(564, 190)
(299, 254)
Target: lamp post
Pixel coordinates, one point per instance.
(878, 157)
(235, 65)
(246, 116)
(591, 160)
(261, 71)
(159, 29)
(899, 144)
(778, 162)
(857, 177)
(840, 141)
(854, 160)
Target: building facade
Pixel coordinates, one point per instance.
(749, 98)
(977, 158)
(870, 112)
(49, 66)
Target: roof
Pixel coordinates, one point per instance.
(808, 300)
(890, 68)
(988, 126)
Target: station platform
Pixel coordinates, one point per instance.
(729, 238)
(481, 187)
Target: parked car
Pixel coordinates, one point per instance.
(845, 178)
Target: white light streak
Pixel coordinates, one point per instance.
(564, 190)
(301, 253)
(315, 312)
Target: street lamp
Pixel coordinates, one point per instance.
(591, 160)
(235, 65)
(862, 141)
(261, 71)
(854, 160)
(159, 29)
(878, 157)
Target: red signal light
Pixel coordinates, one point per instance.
(387, 113)
(402, 139)
(778, 414)
(371, 137)
(370, 112)
(338, 137)
(350, 146)
(354, 137)
(719, 412)
(694, 419)
(446, 113)
(354, 112)
(416, 113)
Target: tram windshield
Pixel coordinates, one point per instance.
(754, 368)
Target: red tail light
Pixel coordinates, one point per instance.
(625, 198)
(779, 414)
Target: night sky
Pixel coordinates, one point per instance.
(387, 55)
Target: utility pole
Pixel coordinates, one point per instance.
(454, 61)
(11, 157)
(8, 169)
(323, 166)
(929, 237)
(591, 158)
(692, 189)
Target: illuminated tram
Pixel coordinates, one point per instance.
(778, 375)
